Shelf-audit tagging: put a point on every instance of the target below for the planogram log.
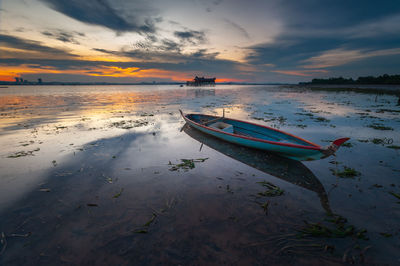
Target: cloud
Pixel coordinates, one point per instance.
(197, 63)
(169, 45)
(338, 57)
(162, 54)
(238, 28)
(387, 26)
(302, 73)
(191, 36)
(20, 29)
(209, 6)
(287, 51)
(327, 36)
(64, 36)
(28, 48)
(332, 14)
(101, 13)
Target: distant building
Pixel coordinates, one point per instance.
(201, 81)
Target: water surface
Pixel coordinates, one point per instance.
(87, 176)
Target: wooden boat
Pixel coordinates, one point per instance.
(292, 171)
(261, 137)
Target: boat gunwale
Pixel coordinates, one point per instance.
(313, 147)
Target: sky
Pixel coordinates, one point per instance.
(263, 41)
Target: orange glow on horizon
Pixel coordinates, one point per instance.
(5, 77)
(9, 73)
(219, 80)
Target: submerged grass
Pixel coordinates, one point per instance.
(186, 164)
(272, 190)
(333, 226)
(145, 226)
(395, 194)
(23, 153)
(347, 172)
(117, 195)
(301, 126)
(347, 145)
(128, 124)
(306, 114)
(322, 119)
(378, 126)
(393, 147)
(387, 110)
(378, 141)
(383, 141)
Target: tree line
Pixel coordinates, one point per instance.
(383, 79)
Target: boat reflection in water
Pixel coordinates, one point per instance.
(286, 169)
(199, 93)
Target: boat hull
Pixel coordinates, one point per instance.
(295, 148)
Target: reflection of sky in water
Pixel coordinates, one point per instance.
(108, 129)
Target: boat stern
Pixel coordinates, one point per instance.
(333, 147)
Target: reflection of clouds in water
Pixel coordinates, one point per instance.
(95, 124)
(39, 109)
(315, 102)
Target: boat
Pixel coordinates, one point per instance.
(261, 137)
(291, 171)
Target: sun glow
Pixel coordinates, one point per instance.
(9, 73)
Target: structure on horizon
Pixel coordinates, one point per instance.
(201, 81)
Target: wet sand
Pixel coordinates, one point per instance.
(94, 175)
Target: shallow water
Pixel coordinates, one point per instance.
(85, 178)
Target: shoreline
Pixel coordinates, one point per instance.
(359, 88)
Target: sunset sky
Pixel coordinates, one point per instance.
(233, 40)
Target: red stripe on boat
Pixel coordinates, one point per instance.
(316, 147)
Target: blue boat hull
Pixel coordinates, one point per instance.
(261, 137)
